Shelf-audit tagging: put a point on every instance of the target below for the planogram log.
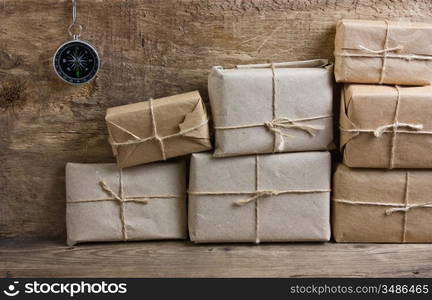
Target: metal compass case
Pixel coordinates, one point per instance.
(76, 61)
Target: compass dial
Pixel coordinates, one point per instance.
(76, 62)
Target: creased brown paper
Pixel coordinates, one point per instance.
(105, 203)
(260, 198)
(386, 126)
(381, 206)
(158, 129)
(280, 107)
(383, 52)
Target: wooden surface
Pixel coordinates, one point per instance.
(183, 259)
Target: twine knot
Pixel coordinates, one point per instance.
(110, 192)
(256, 195)
(278, 124)
(378, 132)
(392, 210)
(382, 51)
(406, 208)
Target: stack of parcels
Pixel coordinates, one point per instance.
(131, 201)
(246, 192)
(384, 126)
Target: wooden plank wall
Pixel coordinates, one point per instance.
(148, 49)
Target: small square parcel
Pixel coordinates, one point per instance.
(158, 129)
(260, 198)
(383, 52)
(386, 126)
(382, 206)
(105, 203)
(266, 108)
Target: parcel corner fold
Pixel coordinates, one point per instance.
(266, 108)
(386, 126)
(381, 51)
(382, 206)
(268, 198)
(105, 203)
(158, 129)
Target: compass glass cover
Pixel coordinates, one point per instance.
(76, 62)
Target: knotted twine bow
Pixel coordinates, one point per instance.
(379, 131)
(121, 199)
(386, 52)
(257, 195)
(138, 140)
(394, 207)
(278, 124)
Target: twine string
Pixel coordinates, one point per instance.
(155, 131)
(384, 52)
(378, 132)
(274, 112)
(395, 127)
(277, 125)
(119, 198)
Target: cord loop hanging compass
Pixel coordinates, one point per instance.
(76, 61)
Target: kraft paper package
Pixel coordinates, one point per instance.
(383, 52)
(158, 129)
(382, 206)
(386, 126)
(266, 108)
(105, 203)
(260, 198)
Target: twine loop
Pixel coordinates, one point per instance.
(256, 195)
(386, 50)
(110, 192)
(378, 132)
(406, 208)
(277, 125)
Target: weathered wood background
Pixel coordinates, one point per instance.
(148, 49)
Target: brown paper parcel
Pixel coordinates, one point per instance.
(267, 198)
(386, 126)
(158, 129)
(281, 107)
(383, 52)
(105, 203)
(381, 206)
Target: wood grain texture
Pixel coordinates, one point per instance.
(183, 259)
(148, 49)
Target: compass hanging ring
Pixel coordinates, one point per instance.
(76, 61)
(75, 30)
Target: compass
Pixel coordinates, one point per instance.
(76, 61)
